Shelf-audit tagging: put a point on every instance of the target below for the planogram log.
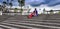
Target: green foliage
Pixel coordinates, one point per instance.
(21, 10)
(4, 2)
(15, 8)
(51, 10)
(10, 4)
(22, 2)
(11, 0)
(59, 12)
(0, 7)
(7, 0)
(19, 1)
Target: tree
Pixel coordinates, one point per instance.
(21, 3)
(0, 7)
(44, 11)
(10, 5)
(59, 12)
(51, 11)
(6, 2)
(15, 10)
(4, 5)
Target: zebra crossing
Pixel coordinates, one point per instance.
(23, 23)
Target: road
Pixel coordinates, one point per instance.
(22, 22)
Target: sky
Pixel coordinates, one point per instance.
(35, 3)
(15, 2)
(49, 3)
(40, 4)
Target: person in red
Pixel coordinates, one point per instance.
(31, 15)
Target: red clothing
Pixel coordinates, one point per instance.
(31, 15)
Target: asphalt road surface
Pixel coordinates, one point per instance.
(22, 22)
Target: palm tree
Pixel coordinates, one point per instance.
(4, 5)
(6, 2)
(10, 4)
(21, 3)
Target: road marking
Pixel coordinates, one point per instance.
(20, 26)
(34, 25)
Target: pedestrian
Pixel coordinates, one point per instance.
(35, 12)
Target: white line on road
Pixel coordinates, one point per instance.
(34, 25)
(21, 26)
(8, 27)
